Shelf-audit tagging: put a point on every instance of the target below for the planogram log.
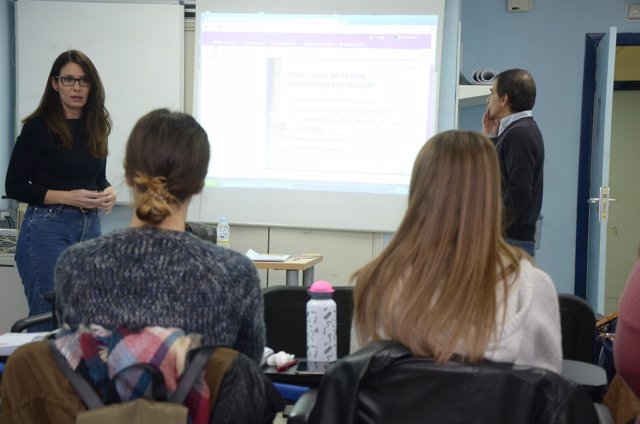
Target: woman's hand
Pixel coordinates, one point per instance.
(88, 199)
(108, 200)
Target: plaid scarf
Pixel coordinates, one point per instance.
(102, 353)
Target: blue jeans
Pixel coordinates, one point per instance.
(527, 246)
(45, 233)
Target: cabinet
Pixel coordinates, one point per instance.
(13, 303)
(343, 251)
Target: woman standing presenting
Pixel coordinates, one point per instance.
(58, 167)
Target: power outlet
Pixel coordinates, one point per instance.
(6, 220)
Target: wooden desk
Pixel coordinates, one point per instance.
(293, 265)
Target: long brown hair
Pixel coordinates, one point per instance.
(433, 288)
(95, 115)
(166, 162)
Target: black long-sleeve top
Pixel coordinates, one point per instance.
(39, 163)
(521, 152)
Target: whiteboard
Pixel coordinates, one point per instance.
(137, 49)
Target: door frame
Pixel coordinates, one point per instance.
(584, 157)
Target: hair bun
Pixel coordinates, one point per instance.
(155, 199)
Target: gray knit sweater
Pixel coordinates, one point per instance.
(138, 277)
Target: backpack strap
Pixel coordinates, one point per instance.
(81, 386)
(91, 398)
(217, 367)
(191, 374)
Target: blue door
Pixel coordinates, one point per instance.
(600, 191)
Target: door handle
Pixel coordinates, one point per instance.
(603, 201)
(597, 199)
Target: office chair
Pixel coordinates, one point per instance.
(385, 383)
(285, 318)
(203, 230)
(285, 324)
(578, 325)
(25, 323)
(578, 328)
(46, 317)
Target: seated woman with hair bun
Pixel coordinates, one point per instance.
(154, 273)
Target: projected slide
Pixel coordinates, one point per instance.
(322, 102)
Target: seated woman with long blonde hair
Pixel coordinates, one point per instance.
(447, 283)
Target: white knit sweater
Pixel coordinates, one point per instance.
(531, 333)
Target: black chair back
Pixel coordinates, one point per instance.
(285, 318)
(578, 323)
(205, 231)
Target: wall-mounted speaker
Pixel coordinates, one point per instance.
(519, 5)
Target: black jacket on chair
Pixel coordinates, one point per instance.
(385, 383)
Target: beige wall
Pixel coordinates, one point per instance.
(623, 228)
(627, 63)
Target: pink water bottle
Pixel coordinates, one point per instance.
(322, 343)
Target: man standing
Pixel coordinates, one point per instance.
(508, 121)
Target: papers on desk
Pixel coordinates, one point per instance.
(265, 355)
(11, 341)
(266, 257)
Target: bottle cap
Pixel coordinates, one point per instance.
(321, 287)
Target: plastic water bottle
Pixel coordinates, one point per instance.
(322, 343)
(223, 233)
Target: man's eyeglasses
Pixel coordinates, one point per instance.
(68, 81)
